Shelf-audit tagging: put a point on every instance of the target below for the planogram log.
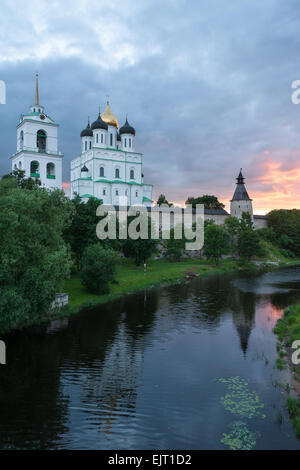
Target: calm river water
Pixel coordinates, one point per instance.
(144, 372)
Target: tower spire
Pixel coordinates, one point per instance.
(37, 89)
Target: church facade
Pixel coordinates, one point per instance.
(109, 167)
(37, 146)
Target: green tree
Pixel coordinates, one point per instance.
(286, 226)
(248, 239)
(174, 247)
(162, 200)
(33, 256)
(98, 268)
(209, 201)
(24, 183)
(232, 225)
(216, 242)
(140, 249)
(82, 230)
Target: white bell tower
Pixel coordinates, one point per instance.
(37, 146)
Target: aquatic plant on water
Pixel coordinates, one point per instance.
(240, 400)
(240, 437)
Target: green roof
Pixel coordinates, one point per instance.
(147, 199)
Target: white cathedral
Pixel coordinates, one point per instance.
(109, 167)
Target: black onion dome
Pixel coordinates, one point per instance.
(84, 168)
(99, 123)
(127, 129)
(87, 132)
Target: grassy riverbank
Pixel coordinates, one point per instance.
(287, 330)
(132, 279)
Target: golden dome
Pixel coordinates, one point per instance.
(109, 117)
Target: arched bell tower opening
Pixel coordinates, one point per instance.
(41, 140)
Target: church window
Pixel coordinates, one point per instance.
(97, 138)
(41, 141)
(131, 174)
(104, 192)
(34, 168)
(126, 192)
(111, 139)
(101, 171)
(125, 142)
(117, 173)
(50, 170)
(90, 145)
(21, 139)
(15, 167)
(85, 145)
(101, 138)
(129, 143)
(20, 165)
(117, 192)
(136, 194)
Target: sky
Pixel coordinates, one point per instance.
(205, 83)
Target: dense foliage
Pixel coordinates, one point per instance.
(209, 202)
(33, 256)
(98, 268)
(285, 226)
(216, 242)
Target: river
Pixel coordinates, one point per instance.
(189, 366)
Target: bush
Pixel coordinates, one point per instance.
(33, 257)
(98, 268)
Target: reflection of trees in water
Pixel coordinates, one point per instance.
(281, 300)
(102, 348)
(203, 301)
(32, 407)
(113, 387)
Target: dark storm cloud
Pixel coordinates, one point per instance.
(207, 85)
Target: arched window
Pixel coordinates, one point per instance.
(15, 166)
(85, 145)
(90, 145)
(125, 140)
(21, 140)
(101, 171)
(51, 170)
(131, 174)
(97, 138)
(104, 192)
(117, 173)
(20, 165)
(117, 192)
(129, 143)
(136, 194)
(34, 168)
(41, 141)
(101, 138)
(111, 139)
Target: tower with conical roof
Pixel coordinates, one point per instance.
(241, 201)
(37, 146)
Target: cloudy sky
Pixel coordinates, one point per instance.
(206, 84)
